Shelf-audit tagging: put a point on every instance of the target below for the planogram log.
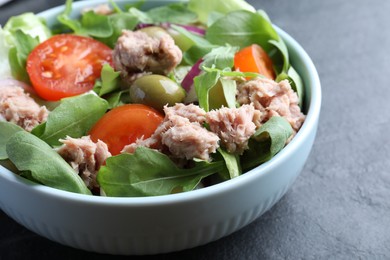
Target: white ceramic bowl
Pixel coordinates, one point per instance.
(168, 223)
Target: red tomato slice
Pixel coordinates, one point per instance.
(254, 59)
(66, 65)
(123, 125)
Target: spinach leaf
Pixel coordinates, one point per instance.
(172, 13)
(42, 164)
(242, 28)
(150, 173)
(73, 117)
(268, 140)
(6, 131)
(203, 8)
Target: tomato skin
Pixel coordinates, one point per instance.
(66, 65)
(254, 59)
(125, 124)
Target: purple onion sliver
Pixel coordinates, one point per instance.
(188, 80)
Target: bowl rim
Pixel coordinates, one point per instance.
(309, 125)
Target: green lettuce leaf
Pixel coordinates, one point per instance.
(40, 163)
(73, 117)
(29, 24)
(150, 173)
(5, 67)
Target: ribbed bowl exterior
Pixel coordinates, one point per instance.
(140, 226)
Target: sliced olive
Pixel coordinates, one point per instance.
(156, 91)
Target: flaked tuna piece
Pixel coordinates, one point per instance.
(189, 140)
(85, 157)
(137, 54)
(192, 112)
(181, 134)
(272, 99)
(234, 126)
(17, 107)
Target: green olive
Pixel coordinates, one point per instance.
(183, 42)
(156, 91)
(154, 31)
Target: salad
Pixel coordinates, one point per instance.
(126, 102)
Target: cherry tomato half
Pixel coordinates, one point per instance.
(123, 125)
(66, 65)
(254, 59)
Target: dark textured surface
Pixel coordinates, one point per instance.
(339, 207)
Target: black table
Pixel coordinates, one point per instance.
(339, 207)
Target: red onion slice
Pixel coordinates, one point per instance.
(188, 80)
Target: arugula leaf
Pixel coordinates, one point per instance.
(195, 52)
(203, 8)
(172, 13)
(65, 19)
(203, 83)
(221, 57)
(268, 140)
(150, 173)
(196, 39)
(119, 22)
(96, 25)
(6, 131)
(232, 162)
(229, 73)
(295, 81)
(73, 117)
(229, 87)
(42, 164)
(108, 82)
(143, 17)
(242, 28)
(17, 55)
(117, 98)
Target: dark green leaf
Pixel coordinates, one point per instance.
(203, 83)
(221, 57)
(96, 25)
(6, 131)
(17, 55)
(73, 117)
(39, 161)
(268, 140)
(242, 28)
(150, 173)
(108, 82)
(172, 13)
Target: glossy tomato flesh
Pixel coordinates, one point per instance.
(66, 65)
(125, 124)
